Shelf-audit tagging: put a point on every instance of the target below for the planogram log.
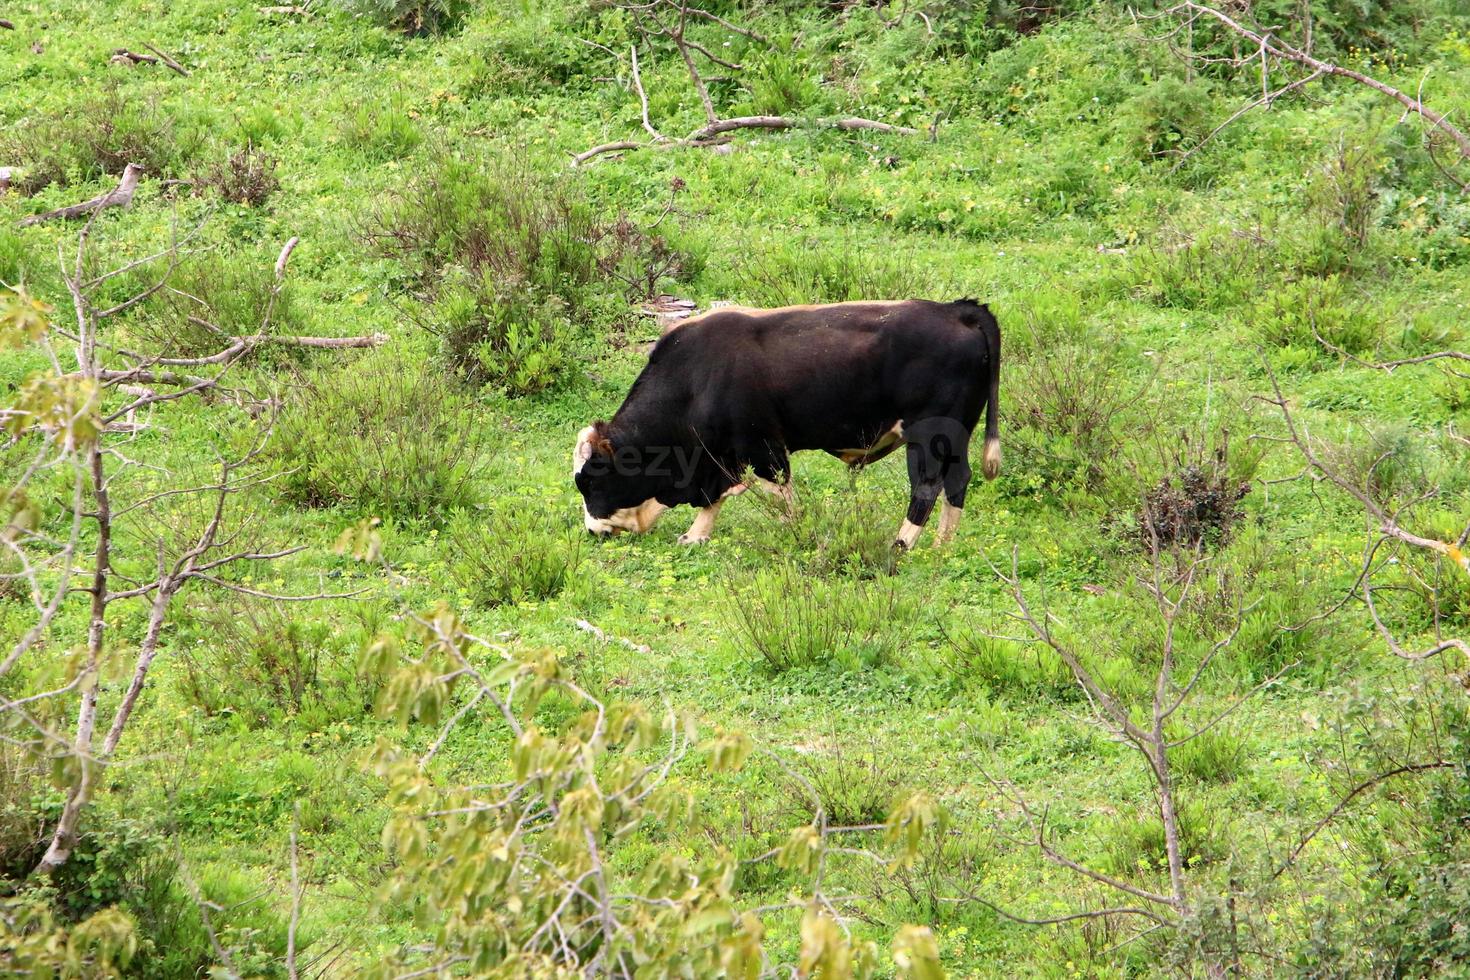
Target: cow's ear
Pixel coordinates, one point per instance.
(599, 440)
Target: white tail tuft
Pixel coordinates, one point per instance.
(991, 464)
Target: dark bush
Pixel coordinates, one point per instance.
(245, 176)
(1197, 504)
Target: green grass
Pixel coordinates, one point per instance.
(1042, 172)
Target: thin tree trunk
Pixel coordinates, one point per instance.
(65, 836)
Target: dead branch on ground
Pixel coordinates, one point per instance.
(167, 60)
(669, 20)
(120, 196)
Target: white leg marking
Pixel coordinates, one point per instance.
(908, 535)
(949, 519)
(704, 523)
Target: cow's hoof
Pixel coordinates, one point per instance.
(692, 539)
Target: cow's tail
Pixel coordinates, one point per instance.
(978, 316)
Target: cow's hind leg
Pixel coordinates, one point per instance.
(925, 480)
(956, 482)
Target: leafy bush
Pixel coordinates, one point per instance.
(101, 134)
(244, 176)
(1213, 756)
(1066, 428)
(515, 338)
(1215, 269)
(1317, 314)
(1132, 843)
(384, 435)
(516, 258)
(853, 786)
(1006, 666)
(790, 620)
(506, 558)
(1166, 118)
(413, 17)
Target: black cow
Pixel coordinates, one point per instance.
(739, 389)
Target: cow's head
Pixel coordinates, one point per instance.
(616, 494)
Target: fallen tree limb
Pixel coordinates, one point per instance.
(167, 60)
(651, 24)
(124, 56)
(119, 197)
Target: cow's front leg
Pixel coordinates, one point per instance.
(925, 480)
(704, 523)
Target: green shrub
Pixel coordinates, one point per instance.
(853, 786)
(1317, 314)
(385, 436)
(1166, 118)
(261, 662)
(506, 558)
(1066, 430)
(846, 533)
(514, 338)
(1132, 842)
(788, 620)
(1213, 270)
(1213, 756)
(1006, 666)
(515, 260)
(24, 819)
(99, 135)
(235, 291)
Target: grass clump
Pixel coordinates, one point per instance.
(847, 533)
(260, 662)
(852, 786)
(503, 558)
(787, 620)
(790, 274)
(385, 436)
(214, 296)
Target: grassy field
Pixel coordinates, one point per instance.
(1146, 310)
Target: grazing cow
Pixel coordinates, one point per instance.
(740, 389)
